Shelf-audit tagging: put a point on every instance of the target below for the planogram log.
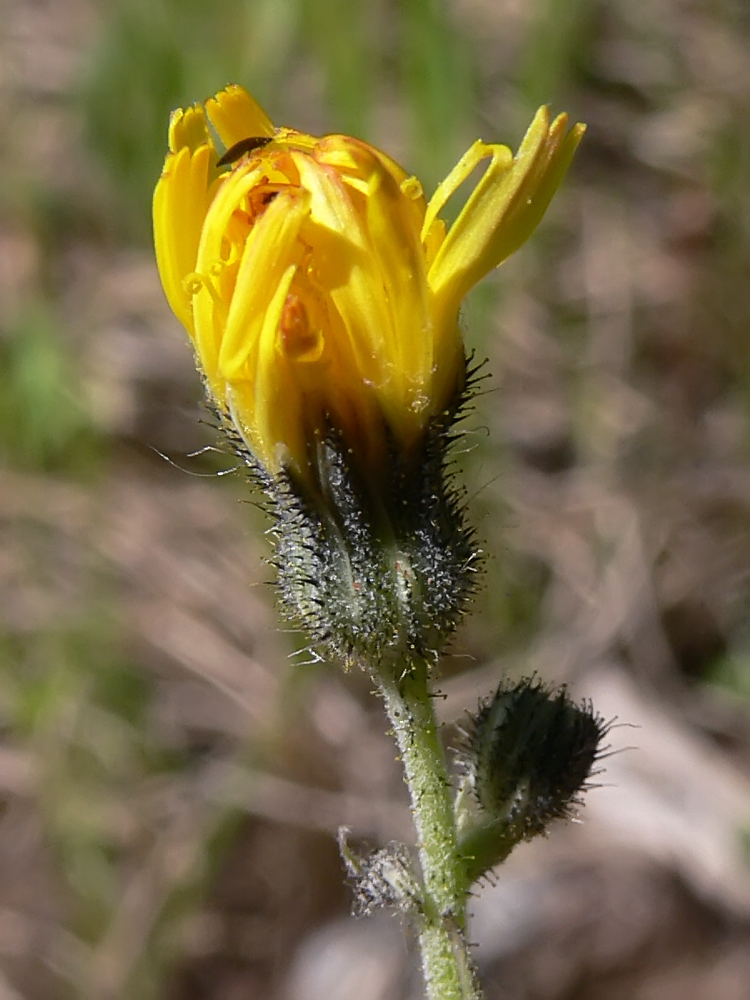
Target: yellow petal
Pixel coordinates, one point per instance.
(504, 208)
(331, 206)
(383, 300)
(210, 308)
(276, 395)
(269, 251)
(236, 115)
(478, 151)
(180, 203)
(539, 177)
(188, 127)
(393, 225)
(343, 266)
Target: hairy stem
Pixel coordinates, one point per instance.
(446, 962)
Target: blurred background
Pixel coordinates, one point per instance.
(170, 777)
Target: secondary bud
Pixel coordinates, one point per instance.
(527, 757)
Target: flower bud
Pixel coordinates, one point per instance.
(527, 757)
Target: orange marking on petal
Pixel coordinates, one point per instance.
(300, 342)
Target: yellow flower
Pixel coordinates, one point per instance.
(319, 287)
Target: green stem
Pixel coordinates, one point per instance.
(487, 846)
(446, 962)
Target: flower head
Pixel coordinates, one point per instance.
(320, 289)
